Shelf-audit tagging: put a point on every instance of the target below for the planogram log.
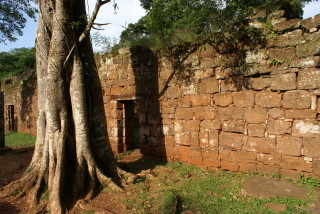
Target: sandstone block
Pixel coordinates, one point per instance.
(247, 167)
(306, 128)
(269, 159)
(204, 113)
(233, 126)
(268, 99)
(256, 56)
(297, 163)
(174, 92)
(282, 54)
(278, 127)
(289, 39)
(259, 83)
(287, 25)
(290, 146)
(256, 115)
(231, 113)
(265, 169)
(311, 147)
(210, 124)
(208, 138)
(184, 101)
(256, 130)
(284, 82)
(297, 99)
(231, 85)
(309, 79)
(308, 62)
(209, 52)
(230, 166)
(316, 167)
(200, 100)
(209, 86)
(184, 114)
(301, 114)
(263, 145)
(276, 113)
(210, 153)
(231, 141)
(223, 99)
(243, 99)
(308, 48)
(311, 22)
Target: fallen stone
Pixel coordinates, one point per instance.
(267, 187)
(276, 207)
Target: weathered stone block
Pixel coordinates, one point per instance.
(174, 92)
(290, 146)
(210, 124)
(297, 163)
(209, 138)
(200, 100)
(276, 113)
(237, 156)
(247, 167)
(311, 147)
(256, 130)
(269, 159)
(256, 56)
(209, 86)
(265, 169)
(282, 54)
(223, 99)
(268, 99)
(256, 115)
(311, 22)
(184, 113)
(243, 99)
(316, 167)
(187, 132)
(306, 128)
(230, 166)
(308, 48)
(210, 153)
(297, 99)
(233, 126)
(231, 141)
(287, 25)
(301, 114)
(231, 84)
(289, 39)
(231, 113)
(184, 101)
(284, 82)
(204, 113)
(209, 52)
(309, 79)
(278, 127)
(308, 62)
(263, 145)
(259, 83)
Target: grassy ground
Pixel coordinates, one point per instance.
(179, 188)
(16, 139)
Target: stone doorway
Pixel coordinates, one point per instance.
(10, 116)
(129, 138)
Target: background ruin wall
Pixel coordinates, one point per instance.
(214, 110)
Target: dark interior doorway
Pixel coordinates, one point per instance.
(11, 124)
(129, 126)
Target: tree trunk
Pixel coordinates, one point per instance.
(72, 154)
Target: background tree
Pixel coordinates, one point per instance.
(12, 18)
(72, 154)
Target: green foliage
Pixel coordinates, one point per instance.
(16, 61)
(169, 202)
(105, 43)
(15, 193)
(275, 61)
(16, 139)
(13, 15)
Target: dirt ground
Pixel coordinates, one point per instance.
(14, 163)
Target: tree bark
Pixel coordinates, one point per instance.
(72, 156)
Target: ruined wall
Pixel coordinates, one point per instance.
(20, 103)
(255, 111)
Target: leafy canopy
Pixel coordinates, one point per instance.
(13, 15)
(16, 61)
(174, 22)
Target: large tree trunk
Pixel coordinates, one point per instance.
(72, 154)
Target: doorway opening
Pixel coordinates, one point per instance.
(129, 138)
(10, 116)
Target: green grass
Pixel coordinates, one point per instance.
(16, 139)
(202, 191)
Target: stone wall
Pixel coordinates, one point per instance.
(2, 141)
(253, 111)
(20, 103)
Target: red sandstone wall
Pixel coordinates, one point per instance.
(264, 118)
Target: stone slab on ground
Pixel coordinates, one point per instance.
(268, 187)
